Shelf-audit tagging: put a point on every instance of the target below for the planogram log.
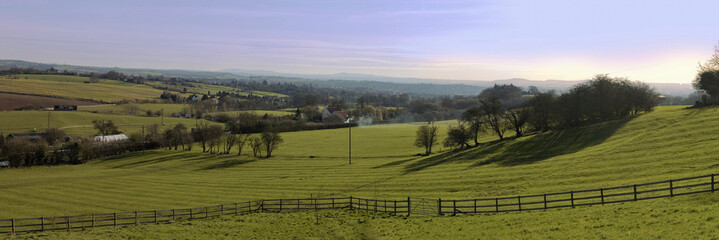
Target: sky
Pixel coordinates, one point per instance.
(651, 41)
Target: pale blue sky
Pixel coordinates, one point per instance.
(653, 41)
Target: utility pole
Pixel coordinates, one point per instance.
(350, 140)
(144, 138)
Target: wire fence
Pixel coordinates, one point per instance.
(409, 206)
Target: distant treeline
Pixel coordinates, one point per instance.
(503, 108)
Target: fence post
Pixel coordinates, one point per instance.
(333, 203)
(207, 213)
(222, 209)
(519, 203)
(375, 205)
(496, 204)
(93, 220)
(385, 206)
(280, 205)
(454, 207)
(409, 206)
(351, 203)
(136, 219)
(173, 214)
(12, 224)
(671, 188)
(68, 222)
(262, 206)
(635, 192)
(545, 201)
(155, 216)
(236, 210)
(42, 224)
(571, 194)
(712, 182)
(439, 206)
(395, 207)
(601, 192)
(114, 219)
(475, 205)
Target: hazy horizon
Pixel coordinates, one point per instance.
(455, 40)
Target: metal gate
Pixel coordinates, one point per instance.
(424, 206)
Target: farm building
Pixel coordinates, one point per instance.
(111, 138)
(65, 108)
(329, 111)
(27, 136)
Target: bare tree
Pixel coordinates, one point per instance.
(426, 137)
(474, 118)
(518, 118)
(242, 139)
(457, 137)
(492, 108)
(230, 140)
(256, 145)
(270, 140)
(105, 127)
(52, 135)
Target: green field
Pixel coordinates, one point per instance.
(670, 143)
(139, 109)
(79, 123)
(73, 87)
(676, 218)
(260, 113)
(203, 88)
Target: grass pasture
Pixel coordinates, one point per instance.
(77, 123)
(73, 87)
(140, 108)
(676, 218)
(670, 143)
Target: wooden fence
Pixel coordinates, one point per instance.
(669, 188)
(627, 193)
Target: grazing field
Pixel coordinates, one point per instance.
(76, 123)
(273, 113)
(9, 101)
(203, 88)
(73, 87)
(135, 109)
(676, 218)
(657, 146)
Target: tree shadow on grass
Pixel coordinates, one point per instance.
(395, 163)
(228, 164)
(525, 150)
(153, 158)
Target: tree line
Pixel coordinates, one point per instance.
(503, 108)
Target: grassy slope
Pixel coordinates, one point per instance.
(73, 87)
(78, 123)
(676, 218)
(141, 108)
(669, 143)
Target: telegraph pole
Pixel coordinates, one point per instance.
(350, 140)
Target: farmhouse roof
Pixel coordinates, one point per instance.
(28, 136)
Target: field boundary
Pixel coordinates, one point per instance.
(627, 193)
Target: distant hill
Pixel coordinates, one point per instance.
(422, 86)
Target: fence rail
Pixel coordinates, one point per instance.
(644, 191)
